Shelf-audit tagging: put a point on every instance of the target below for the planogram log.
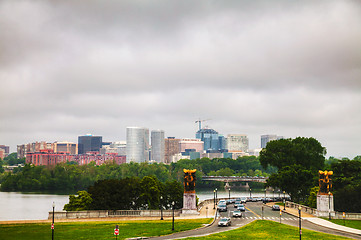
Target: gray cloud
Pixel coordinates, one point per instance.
(289, 68)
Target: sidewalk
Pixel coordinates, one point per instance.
(320, 221)
(328, 224)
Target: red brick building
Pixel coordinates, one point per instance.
(47, 157)
(98, 158)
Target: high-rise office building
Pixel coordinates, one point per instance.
(212, 140)
(267, 138)
(237, 142)
(137, 144)
(89, 143)
(158, 145)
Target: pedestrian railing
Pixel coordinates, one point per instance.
(113, 213)
(313, 211)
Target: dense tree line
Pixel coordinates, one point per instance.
(128, 194)
(70, 177)
(298, 161)
(347, 185)
(11, 160)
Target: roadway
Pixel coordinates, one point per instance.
(254, 212)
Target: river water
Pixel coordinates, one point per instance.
(34, 206)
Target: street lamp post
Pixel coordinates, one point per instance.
(273, 195)
(52, 225)
(229, 193)
(173, 216)
(214, 199)
(299, 214)
(329, 205)
(250, 193)
(284, 200)
(161, 208)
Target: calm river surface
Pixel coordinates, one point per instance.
(34, 206)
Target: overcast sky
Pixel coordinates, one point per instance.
(291, 68)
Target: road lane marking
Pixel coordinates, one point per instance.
(252, 212)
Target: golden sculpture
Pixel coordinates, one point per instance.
(325, 182)
(189, 180)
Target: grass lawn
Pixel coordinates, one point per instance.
(262, 229)
(97, 230)
(348, 223)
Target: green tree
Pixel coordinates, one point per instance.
(225, 172)
(80, 202)
(347, 185)
(298, 161)
(312, 198)
(150, 192)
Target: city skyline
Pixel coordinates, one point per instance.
(252, 67)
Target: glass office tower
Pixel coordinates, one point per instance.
(137, 144)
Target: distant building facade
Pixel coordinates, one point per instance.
(47, 157)
(89, 143)
(115, 147)
(267, 138)
(137, 144)
(24, 149)
(99, 159)
(171, 145)
(2, 154)
(5, 149)
(237, 143)
(188, 143)
(212, 140)
(69, 147)
(158, 146)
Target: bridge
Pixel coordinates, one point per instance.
(234, 179)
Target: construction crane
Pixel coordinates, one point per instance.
(200, 122)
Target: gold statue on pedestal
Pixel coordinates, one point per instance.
(189, 180)
(325, 182)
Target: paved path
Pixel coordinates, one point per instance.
(328, 224)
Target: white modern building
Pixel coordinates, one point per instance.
(237, 142)
(137, 144)
(115, 147)
(158, 145)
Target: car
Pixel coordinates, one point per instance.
(222, 208)
(276, 207)
(243, 199)
(237, 213)
(222, 202)
(259, 199)
(241, 208)
(224, 222)
(236, 204)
